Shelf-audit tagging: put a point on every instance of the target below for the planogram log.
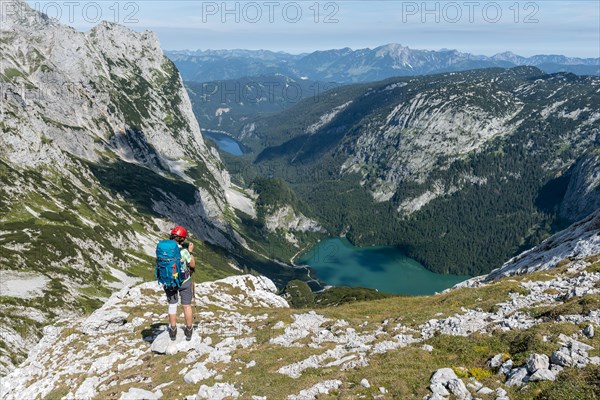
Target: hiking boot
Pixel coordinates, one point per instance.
(173, 332)
(188, 332)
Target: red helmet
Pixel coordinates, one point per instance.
(179, 231)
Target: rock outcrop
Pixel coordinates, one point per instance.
(582, 196)
(579, 241)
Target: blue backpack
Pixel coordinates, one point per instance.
(170, 269)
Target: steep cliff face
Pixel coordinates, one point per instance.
(105, 92)
(579, 241)
(582, 195)
(100, 155)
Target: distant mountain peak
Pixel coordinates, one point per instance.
(362, 65)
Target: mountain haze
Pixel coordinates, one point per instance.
(361, 65)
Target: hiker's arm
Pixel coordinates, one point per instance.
(192, 263)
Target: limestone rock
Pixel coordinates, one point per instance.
(485, 390)
(87, 390)
(443, 375)
(517, 377)
(562, 357)
(320, 388)
(458, 389)
(496, 361)
(164, 345)
(101, 320)
(542, 374)
(218, 391)
(439, 388)
(506, 367)
(198, 373)
(556, 369)
(139, 394)
(537, 361)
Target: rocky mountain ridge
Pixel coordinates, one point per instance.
(360, 65)
(100, 155)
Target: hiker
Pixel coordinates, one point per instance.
(174, 268)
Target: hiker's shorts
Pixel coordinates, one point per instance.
(185, 291)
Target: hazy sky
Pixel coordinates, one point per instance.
(481, 27)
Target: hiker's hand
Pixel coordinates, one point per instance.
(191, 247)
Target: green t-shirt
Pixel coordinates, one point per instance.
(187, 259)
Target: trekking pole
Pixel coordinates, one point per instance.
(194, 310)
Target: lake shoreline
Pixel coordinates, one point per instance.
(337, 262)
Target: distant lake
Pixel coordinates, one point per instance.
(337, 262)
(224, 142)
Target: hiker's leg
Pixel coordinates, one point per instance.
(173, 299)
(173, 314)
(188, 315)
(186, 301)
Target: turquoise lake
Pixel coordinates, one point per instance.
(337, 262)
(224, 142)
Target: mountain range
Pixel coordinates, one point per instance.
(362, 65)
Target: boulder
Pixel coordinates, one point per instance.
(427, 347)
(556, 369)
(485, 390)
(588, 331)
(218, 391)
(435, 396)
(496, 361)
(439, 389)
(537, 361)
(140, 394)
(198, 373)
(101, 320)
(562, 357)
(517, 377)
(506, 367)
(164, 345)
(572, 343)
(443, 375)
(458, 388)
(542, 374)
